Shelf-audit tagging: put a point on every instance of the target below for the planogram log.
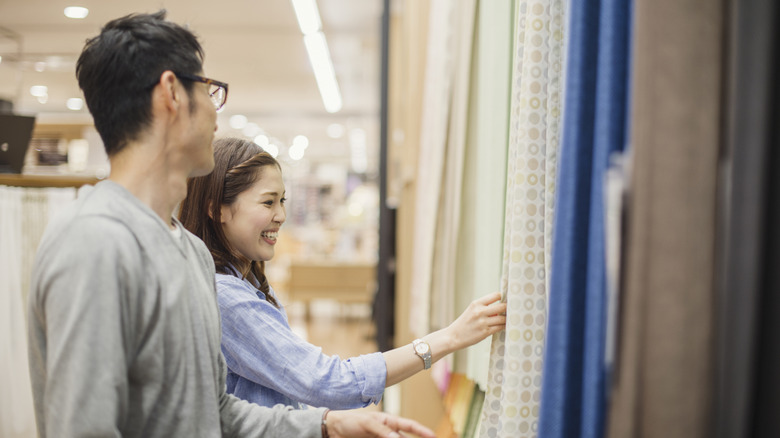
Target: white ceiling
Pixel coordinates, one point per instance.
(254, 45)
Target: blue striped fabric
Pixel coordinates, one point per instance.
(594, 125)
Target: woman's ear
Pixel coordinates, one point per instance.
(224, 212)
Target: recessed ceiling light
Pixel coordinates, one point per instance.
(75, 103)
(39, 90)
(335, 130)
(262, 140)
(76, 12)
(301, 141)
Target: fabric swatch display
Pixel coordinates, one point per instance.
(664, 381)
(437, 96)
(447, 246)
(511, 406)
(24, 213)
(480, 238)
(574, 377)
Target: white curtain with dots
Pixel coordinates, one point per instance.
(511, 407)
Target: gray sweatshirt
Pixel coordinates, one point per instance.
(124, 331)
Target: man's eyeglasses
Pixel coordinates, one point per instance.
(217, 90)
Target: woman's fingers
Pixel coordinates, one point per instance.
(489, 298)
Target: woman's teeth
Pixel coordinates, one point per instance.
(270, 235)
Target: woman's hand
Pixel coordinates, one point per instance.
(358, 424)
(482, 318)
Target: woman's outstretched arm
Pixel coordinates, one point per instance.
(482, 318)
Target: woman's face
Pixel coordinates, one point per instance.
(251, 224)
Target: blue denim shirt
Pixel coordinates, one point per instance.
(268, 364)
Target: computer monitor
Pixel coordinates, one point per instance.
(15, 135)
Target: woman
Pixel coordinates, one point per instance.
(237, 211)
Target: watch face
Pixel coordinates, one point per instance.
(421, 348)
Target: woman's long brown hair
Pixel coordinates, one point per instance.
(238, 164)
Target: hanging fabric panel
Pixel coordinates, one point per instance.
(511, 407)
(432, 148)
(447, 246)
(573, 401)
(664, 376)
(480, 240)
(24, 213)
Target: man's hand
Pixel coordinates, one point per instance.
(357, 424)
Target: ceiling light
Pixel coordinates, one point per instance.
(251, 129)
(319, 56)
(39, 90)
(296, 152)
(272, 149)
(238, 121)
(300, 141)
(262, 141)
(76, 12)
(1, 59)
(308, 15)
(40, 66)
(75, 103)
(335, 130)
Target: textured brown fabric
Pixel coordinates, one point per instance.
(663, 384)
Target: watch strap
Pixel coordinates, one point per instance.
(426, 357)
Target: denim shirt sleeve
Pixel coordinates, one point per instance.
(259, 345)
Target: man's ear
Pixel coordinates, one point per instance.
(166, 93)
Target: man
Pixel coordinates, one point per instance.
(124, 326)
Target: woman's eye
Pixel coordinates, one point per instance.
(283, 200)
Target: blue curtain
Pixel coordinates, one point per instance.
(594, 126)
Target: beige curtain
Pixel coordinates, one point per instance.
(24, 213)
(480, 239)
(511, 407)
(663, 377)
(437, 97)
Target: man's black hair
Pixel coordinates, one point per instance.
(118, 69)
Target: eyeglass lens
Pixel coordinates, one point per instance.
(217, 94)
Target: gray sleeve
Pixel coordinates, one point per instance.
(243, 419)
(81, 280)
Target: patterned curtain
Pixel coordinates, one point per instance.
(511, 407)
(24, 213)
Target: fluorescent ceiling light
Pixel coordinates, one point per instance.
(308, 16)
(39, 90)
(319, 56)
(76, 12)
(75, 103)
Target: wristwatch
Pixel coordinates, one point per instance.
(422, 349)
